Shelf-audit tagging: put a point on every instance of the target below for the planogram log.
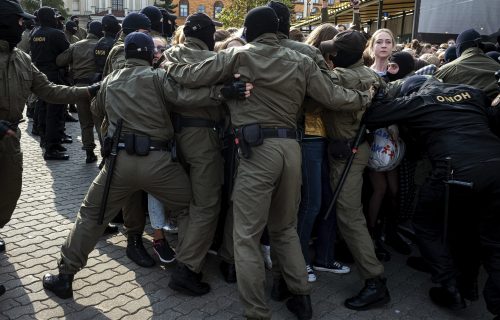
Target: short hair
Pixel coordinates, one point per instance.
(297, 35)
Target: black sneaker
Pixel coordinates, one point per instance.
(163, 251)
(2, 245)
(2, 289)
(335, 267)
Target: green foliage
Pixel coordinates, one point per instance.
(167, 4)
(233, 15)
(32, 5)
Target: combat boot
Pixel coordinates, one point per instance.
(61, 285)
(228, 270)
(91, 157)
(2, 245)
(137, 253)
(373, 294)
(188, 282)
(280, 291)
(55, 155)
(300, 306)
(2, 289)
(447, 296)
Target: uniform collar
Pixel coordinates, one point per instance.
(195, 43)
(4, 46)
(134, 62)
(357, 64)
(267, 38)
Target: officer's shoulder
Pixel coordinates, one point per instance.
(22, 56)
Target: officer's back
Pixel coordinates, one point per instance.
(110, 28)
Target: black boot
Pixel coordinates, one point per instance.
(300, 306)
(447, 296)
(91, 157)
(2, 289)
(280, 291)
(373, 294)
(53, 154)
(228, 270)
(137, 253)
(110, 229)
(188, 282)
(60, 285)
(468, 288)
(2, 245)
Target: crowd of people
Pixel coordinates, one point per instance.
(296, 153)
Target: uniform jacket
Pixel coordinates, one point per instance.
(25, 41)
(191, 51)
(46, 44)
(80, 56)
(116, 57)
(342, 124)
(81, 33)
(281, 79)
(19, 77)
(310, 51)
(473, 68)
(448, 119)
(130, 93)
(101, 51)
(71, 37)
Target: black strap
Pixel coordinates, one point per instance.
(286, 133)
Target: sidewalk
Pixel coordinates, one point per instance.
(113, 287)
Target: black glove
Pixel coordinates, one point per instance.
(4, 127)
(94, 88)
(234, 89)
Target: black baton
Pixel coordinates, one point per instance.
(111, 167)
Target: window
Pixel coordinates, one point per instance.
(218, 6)
(117, 5)
(201, 8)
(184, 8)
(76, 6)
(331, 2)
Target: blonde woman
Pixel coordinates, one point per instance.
(380, 48)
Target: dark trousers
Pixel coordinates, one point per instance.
(473, 230)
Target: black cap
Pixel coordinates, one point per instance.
(8, 7)
(283, 14)
(153, 13)
(95, 28)
(350, 41)
(198, 21)
(135, 21)
(71, 25)
(108, 20)
(74, 17)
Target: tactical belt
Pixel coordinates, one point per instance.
(154, 145)
(286, 133)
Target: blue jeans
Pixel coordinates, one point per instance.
(156, 213)
(316, 195)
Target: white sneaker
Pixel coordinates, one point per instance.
(266, 253)
(311, 277)
(171, 226)
(335, 267)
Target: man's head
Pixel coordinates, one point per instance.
(155, 16)
(71, 27)
(283, 14)
(110, 25)
(139, 45)
(47, 17)
(467, 39)
(169, 25)
(95, 28)
(201, 26)
(400, 65)
(345, 49)
(258, 21)
(412, 84)
(75, 19)
(136, 22)
(450, 54)
(11, 22)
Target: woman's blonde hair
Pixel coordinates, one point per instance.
(221, 45)
(179, 36)
(373, 39)
(326, 31)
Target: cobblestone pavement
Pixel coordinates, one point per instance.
(113, 287)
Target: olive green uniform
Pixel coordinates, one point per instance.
(25, 41)
(200, 148)
(71, 37)
(267, 186)
(132, 95)
(473, 68)
(18, 79)
(81, 33)
(80, 56)
(133, 211)
(343, 126)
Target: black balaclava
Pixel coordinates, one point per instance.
(258, 21)
(283, 14)
(29, 24)
(169, 25)
(450, 54)
(154, 14)
(345, 49)
(200, 26)
(110, 25)
(47, 17)
(95, 28)
(10, 30)
(467, 39)
(71, 27)
(75, 19)
(135, 21)
(139, 45)
(405, 62)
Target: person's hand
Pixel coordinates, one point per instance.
(5, 129)
(355, 4)
(236, 89)
(393, 132)
(93, 89)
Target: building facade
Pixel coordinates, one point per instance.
(119, 8)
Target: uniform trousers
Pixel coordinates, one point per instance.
(267, 192)
(155, 174)
(11, 171)
(200, 149)
(350, 218)
(86, 120)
